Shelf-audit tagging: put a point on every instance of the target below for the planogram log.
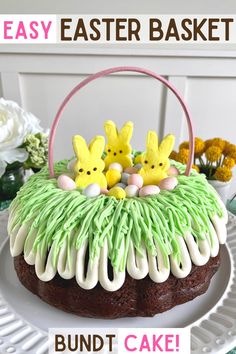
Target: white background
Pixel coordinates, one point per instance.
(38, 77)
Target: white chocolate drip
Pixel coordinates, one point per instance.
(199, 253)
(213, 241)
(158, 272)
(118, 277)
(89, 280)
(66, 266)
(137, 265)
(184, 268)
(72, 263)
(220, 229)
(44, 266)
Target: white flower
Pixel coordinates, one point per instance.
(15, 124)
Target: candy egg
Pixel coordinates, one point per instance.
(71, 164)
(121, 185)
(115, 166)
(137, 159)
(131, 191)
(149, 190)
(136, 179)
(173, 171)
(138, 166)
(113, 177)
(92, 190)
(168, 183)
(117, 192)
(124, 177)
(104, 191)
(66, 183)
(131, 170)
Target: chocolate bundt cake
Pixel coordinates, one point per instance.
(108, 257)
(135, 298)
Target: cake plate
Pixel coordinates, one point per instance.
(25, 319)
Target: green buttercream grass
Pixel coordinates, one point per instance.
(159, 219)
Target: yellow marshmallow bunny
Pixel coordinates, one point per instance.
(118, 146)
(155, 160)
(89, 165)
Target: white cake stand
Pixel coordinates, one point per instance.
(25, 319)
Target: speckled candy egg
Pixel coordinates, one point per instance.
(124, 177)
(117, 192)
(136, 180)
(66, 183)
(173, 171)
(113, 177)
(168, 183)
(131, 170)
(131, 191)
(115, 166)
(149, 190)
(138, 166)
(92, 190)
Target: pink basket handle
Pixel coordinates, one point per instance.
(111, 71)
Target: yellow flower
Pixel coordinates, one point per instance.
(182, 156)
(229, 162)
(213, 153)
(184, 145)
(208, 143)
(232, 155)
(218, 142)
(174, 155)
(227, 148)
(223, 174)
(199, 147)
(195, 167)
(232, 152)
